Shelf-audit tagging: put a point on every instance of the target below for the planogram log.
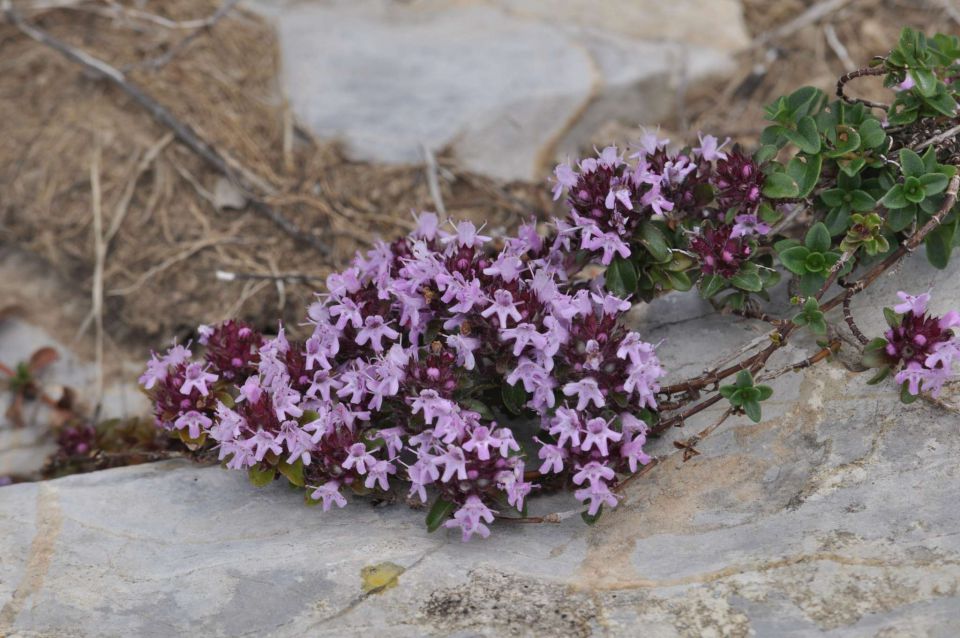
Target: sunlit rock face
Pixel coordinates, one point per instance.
(509, 86)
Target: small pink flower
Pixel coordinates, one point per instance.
(587, 391)
(598, 433)
(330, 493)
(358, 458)
(915, 304)
(470, 518)
(196, 377)
(194, 422)
(504, 307)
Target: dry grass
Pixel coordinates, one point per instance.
(171, 238)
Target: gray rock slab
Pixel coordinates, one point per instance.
(509, 86)
(834, 516)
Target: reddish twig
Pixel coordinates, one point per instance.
(859, 73)
(848, 317)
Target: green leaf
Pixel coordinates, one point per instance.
(893, 319)
(834, 197)
(804, 101)
(711, 285)
(653, 240)
(905, 396)
(780, 186)
(744, 379)
(874, 353)
(851, 167)
(910, 163)
(621, 277)
(818, 327)
(261, 476)
(747, 280)
(848, 140)
(752, 410)
(939, 245)
(810, 283)
(872, 134)
(773, 136)
(806, 137)
(942, 102)
(514, 397)
(727, 391)
(837, 221)
(764, 392)
(913, 190)
(679, 281)
(805, 171)
(293, 473)
(861, 201)
(479, 407)
(439, 513)
(882, 374)
(765, 153)
(934, 183)
(926, 81)
(794, 259)
(895, 198)
(590, 520)
(818, 238)
(679, 261)
(930, 160)
(900, 218)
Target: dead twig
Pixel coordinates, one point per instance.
(848, 317)
(946, 135)
(812, 15)
(433, 183)
(162, 60)
(167, 263)
(100, 253)
(120, 212)
(227, 275)
(860, 73)
(838, 49)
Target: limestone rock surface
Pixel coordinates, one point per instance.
(508, 85)
(836, 516)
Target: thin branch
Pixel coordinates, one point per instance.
(163, 116)
(838, 49)
(821, 355)
(100, 253)
(124, 204)
(942, 137)
(848, 317)
(205, 26)
(812, 15)
(859, 73)
(433, 182)
(227, 275)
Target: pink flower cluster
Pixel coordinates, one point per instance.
(925, 346)
(609, 196)
(405, 375)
